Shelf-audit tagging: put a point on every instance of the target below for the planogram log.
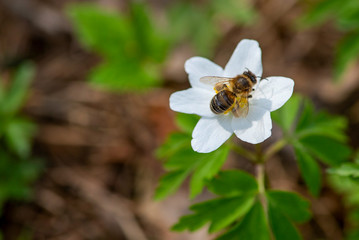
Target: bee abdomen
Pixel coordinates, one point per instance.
(222, 101)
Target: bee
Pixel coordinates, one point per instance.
(231, 93)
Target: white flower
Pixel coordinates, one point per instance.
(212, 130)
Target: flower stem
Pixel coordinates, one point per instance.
(262, 193)
(274, 148)
(243, 152)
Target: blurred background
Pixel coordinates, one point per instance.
(84, 105)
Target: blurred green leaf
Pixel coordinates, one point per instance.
(346, 170)
(16, 177)
(186, 122)
(252, 227)
(286, 116)
(347, 51)
(132, 46)
(240, 11)
(233, 182)
(18, 134)
(327, 150)
(15, 95)
(314, 135)
(102, 30)
(124, 75)
(290, 204)
(281, 227)
(219, 212)
(174, 143)
(309, 170)
(320, 12)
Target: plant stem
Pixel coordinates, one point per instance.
(274, 148)
(244, 152)
(260, 169)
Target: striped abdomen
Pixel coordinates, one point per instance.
(222, 101)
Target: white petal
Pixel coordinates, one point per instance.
(198, 67)
(276, 89)
(192, 101)
(247, 55)
(255, 128)
(210, 133)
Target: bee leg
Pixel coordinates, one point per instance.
(249, 96)
(253, 89)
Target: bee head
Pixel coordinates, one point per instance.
(251, 76)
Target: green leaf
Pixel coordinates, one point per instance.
(219, 212)
(18, 134)
(309, 170)
(320, 12)
(285, 116)
(186, 122)
(327, 150)
(102, 30)
(252, 227)
(290, 204)
(16, 94)
(124, 75)
(16, 177)
(346, 170)
(186, 158)
(174, 143)
(170, 182)
(347, 51)
(207, 168)
(281, 227)
(238, 11)
(233, 182)
(150, 41)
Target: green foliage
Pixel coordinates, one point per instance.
(14, 184)
(314, 135)
(344, 179)
(183, 161)
(284, 208)
(199, 23)
(131, 45)
(17, 169)
(346, 16)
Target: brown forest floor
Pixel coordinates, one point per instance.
(98, 147)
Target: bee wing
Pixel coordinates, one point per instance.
(241, 106)
(213, 80)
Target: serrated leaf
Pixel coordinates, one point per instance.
(309, 170)
(281, 227)
(219, 212)
(170, 182)
(252, 227)
(327, 150)
(233, 182)
(290, 204)
(174, 143)
(186, 158)
(207, 168)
